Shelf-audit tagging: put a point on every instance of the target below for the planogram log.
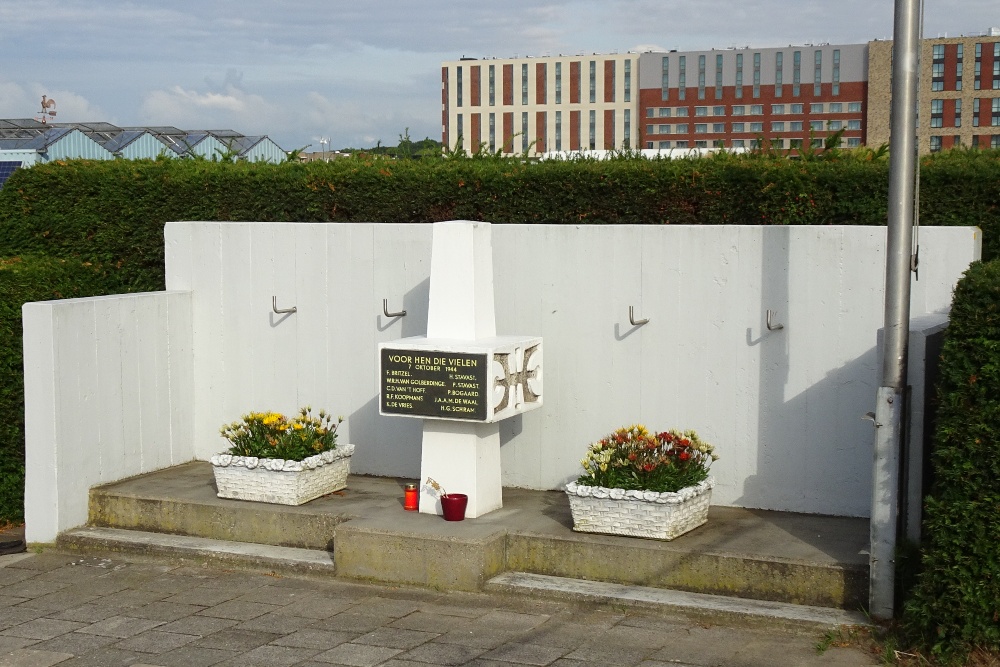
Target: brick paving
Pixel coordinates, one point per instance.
(75, 610)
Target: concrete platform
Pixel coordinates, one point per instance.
(772, 556)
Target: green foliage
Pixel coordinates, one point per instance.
(271, 435)
(23, 279)
(955, 604)
(632, 458)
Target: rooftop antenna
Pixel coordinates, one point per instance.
(48, 109)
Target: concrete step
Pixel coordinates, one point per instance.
(716, 608)
(773, 556)
(238, 555)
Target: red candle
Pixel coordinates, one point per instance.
(411, 499)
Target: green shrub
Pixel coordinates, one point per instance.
(955, 604)
(22, 279)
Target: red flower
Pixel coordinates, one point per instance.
(649, 467)
(684, 456)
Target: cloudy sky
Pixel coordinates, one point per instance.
(362, 71)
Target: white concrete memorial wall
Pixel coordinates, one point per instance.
(782, 406)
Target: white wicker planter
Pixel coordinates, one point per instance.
(660, 516)
(280, 481)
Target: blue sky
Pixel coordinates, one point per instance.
(359, 72)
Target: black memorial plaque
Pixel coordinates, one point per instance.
(430, 383)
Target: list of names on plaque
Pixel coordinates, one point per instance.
(431, 383)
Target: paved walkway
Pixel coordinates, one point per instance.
(74, 610)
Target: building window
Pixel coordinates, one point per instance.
(592, 139)
(739, 76)
(701, 77)
(558, 86)
(664, 112)
(835, 125)
(739, 143)
(937, 113)
(701, 128)
(958, 113)
(628, 80)
(777, 143)
(795, 126)
(559, 130)
(836, 71)
(651, 129)
(649, 144)
(756, 75)
(816, 107)
(682, 128)
(778, 126)
(778, 61)
(836, 107)
(651, 112)
(739, 110)
(854, 125)
(493, 131)
(593, 83)
(935, 144)
(795, 143)
(681, 112)
(816, 125)
(458, 87)
(682, 78)
(996, 110)
(493, 85)
(795, 109)
(959, 57)
(738, 127)
(681, 144)
(756, 109)
(818, 74)
(718, 76)
(853, 142)
(524, 132)
(665, 78)
(701, 144)
(664, 144)
(718, 111)
(756, 127)
(975, 112)
(854, 107)
(461, 129)
(816, 143)
(627, 136)
(995, 141)
(701, 111)
(718, 128)
(796, 73)
(778, 109)
(664, 129)
(937, 76)
(524, 85)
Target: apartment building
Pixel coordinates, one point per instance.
(735, 97)
(535, 105)
(959, 95)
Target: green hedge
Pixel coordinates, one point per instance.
(955, 604)
(23, 279)
(113, 212)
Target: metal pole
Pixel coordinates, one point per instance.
(889, 408)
